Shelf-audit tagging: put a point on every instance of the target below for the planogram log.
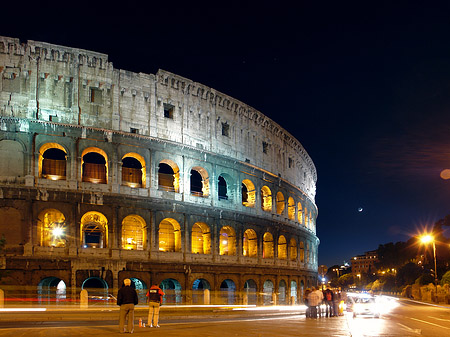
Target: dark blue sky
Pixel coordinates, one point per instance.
(364, 86)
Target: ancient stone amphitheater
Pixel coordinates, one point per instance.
(107, 174)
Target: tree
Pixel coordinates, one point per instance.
(445, 278)
(346, 280)
(408, 273)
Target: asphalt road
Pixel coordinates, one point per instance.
(407, 319)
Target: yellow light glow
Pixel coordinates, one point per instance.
(58, 231)
(426, 238)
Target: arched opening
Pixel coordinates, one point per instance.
(300, 213)
(227, 244)
(282, 248)
(94, 166)
(291, 208)
(51, 289)
(268, 250)
(250, 291)
(294, 299)
(52, 228)
(280, 203)
(308, 252)
(223, 189)
(199, 182)
(96, 287)
(133, 170)
(268, 293)
(168, 176)
(52, 162)
(302, 252)
(227, 292)
(250, 243)
(172, 290)
(306, 218)
(133, 233)
(302, 291)
(169, 236)
(248, 193)
(94, 230)
(200, 239)
(293, 250)
(198, 290)
(141, 289)
(282, 291)
(266, 199)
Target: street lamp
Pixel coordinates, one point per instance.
(425, 239)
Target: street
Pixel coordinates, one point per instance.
(407, 319)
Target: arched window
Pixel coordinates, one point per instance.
(52, 228)
(280, 203)
(248, 193)
(222, 187)
(168, 176)
(292, 250)
(250, 244)
(52, 162)
(282, 248)
(306, 218)
(300, 213)
(302, 252)
(94, 166)
(200, 239)
(268, 250)
(308, 253)
(227, 244)
(133, 233)
(199, 182)
(94, 230)
(291, 208)
(133, 170)
(169, 236)
(266, 199)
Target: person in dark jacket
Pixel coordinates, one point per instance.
(127, 298)
(154, 297)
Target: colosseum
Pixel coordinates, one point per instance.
(107, 174)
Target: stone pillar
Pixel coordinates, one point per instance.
(83, 299)
(2, 298)
(206, 297)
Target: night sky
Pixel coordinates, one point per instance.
(364, 86)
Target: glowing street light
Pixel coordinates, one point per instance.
(426, 239)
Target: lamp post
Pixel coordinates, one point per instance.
(425, 239)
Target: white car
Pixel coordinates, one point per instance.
(363, 304)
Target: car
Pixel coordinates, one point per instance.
(363, 304)
(106, 298)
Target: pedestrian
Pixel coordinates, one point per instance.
(154, 298)
(308, 310)
(313, 302)
(127, 298)
(336, 302)
(320, 296)
(328, 298)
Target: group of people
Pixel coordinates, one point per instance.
(314, 298)
(127, 298)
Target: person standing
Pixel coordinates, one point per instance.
(313, 302)
(127, 298)
(328, 298)
(154, 297)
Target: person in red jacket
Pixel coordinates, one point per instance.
(154, 298)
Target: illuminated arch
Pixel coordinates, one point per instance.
(94, 166)
(291, 208)
(282, 248)
(224, 187)
(199, 182)
(266, 199)
(169, 234)
(248, 193)
(94, 230)
(250, 243)
(306, 218)
(227, 243)
(302, 252)
(133, 232)
(52, 228)
(168, 176)
(200, 239)
(133, 170)
(292, 249)
(268, 246)
(52, 161)
(280, 203)
(300, 213)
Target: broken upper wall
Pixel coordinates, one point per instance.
(78, 87)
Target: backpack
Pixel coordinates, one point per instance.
(328, 295)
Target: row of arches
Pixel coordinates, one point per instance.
(94, 169)
(54, 288)
(53, 231)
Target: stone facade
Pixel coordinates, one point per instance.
(107, 174)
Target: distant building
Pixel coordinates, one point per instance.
(364, 263)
